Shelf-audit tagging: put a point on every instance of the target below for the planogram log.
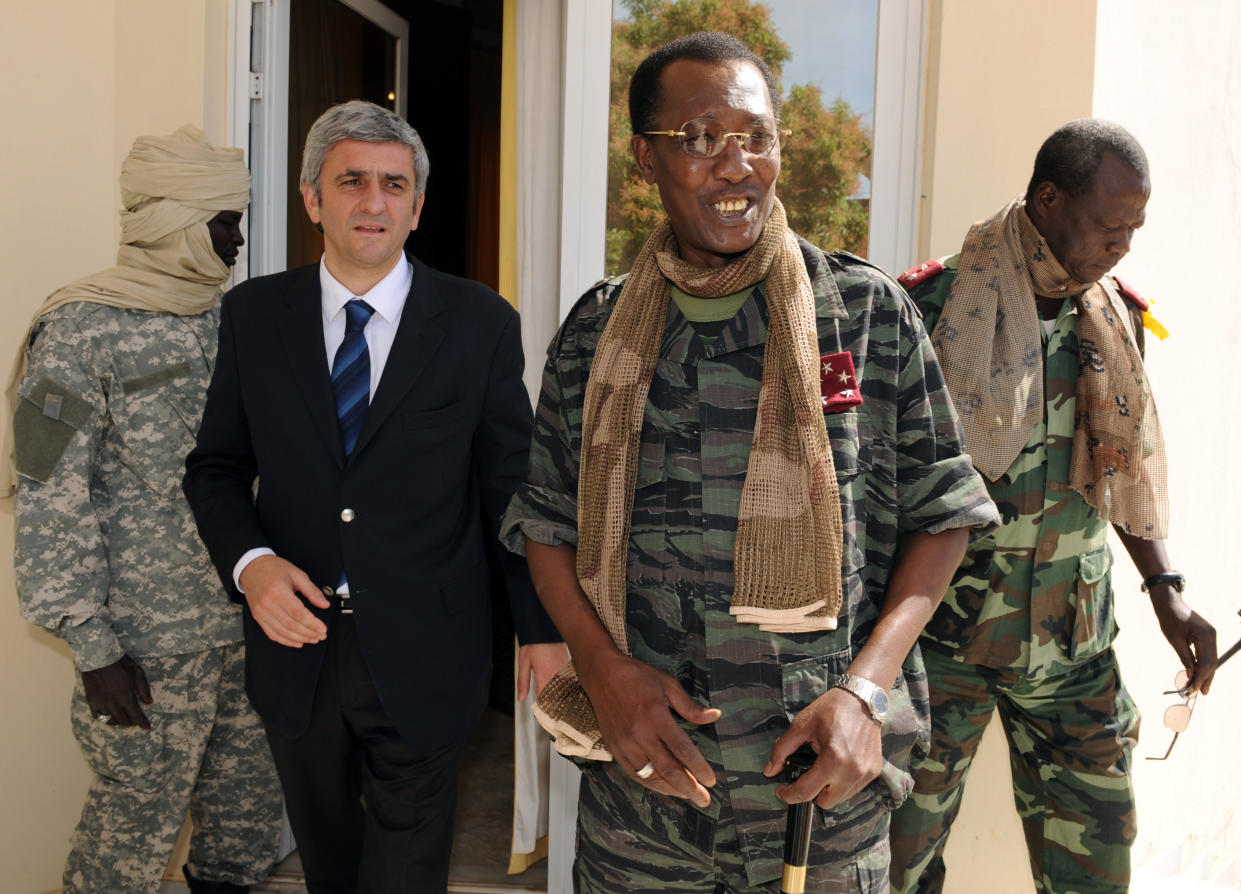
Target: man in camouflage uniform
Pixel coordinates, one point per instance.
(647, 821)
(1028, 622)
(107, 557)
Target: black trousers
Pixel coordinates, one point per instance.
(370, 813)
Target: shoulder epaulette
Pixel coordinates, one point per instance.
(921, 273)
(1129, 294)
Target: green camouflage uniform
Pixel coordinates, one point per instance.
(1027, 625)
(899, 468)
(107, 558)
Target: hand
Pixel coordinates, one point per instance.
(632, 702)
(1189, 633)
(846, 739)
(115, 690)
(544, 660)
(271, 588)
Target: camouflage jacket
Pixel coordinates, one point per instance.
(106, 554)
(1035, 596)
(900, 469)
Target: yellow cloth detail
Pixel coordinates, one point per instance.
(519, 863)
(1151, 324)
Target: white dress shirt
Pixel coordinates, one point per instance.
(387, 297)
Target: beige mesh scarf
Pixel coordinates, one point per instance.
(990, 347)
(171, 186)
(787, 553)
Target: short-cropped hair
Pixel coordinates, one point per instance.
(369, 123)
(1071, 156)
(704, 46)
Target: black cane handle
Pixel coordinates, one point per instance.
(797, 828)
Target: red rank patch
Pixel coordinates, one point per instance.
(1131, 294)
(837, 382)
(921, 273)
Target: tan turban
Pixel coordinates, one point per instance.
(171, 187)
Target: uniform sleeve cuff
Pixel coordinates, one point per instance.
(93, 644)
(515, 531)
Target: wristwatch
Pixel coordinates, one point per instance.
(868, 693)
(1175, 578)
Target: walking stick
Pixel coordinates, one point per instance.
(797, 828)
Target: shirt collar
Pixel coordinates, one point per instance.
(387, 296)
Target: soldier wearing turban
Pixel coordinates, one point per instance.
(106, 396)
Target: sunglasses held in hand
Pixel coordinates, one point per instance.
(1176, 717)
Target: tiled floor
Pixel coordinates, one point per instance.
(484, 821)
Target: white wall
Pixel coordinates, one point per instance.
(1171, 73)
(1002, 76)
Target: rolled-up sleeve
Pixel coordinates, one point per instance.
(937, 485)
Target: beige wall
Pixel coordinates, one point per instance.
(1002, 76)
(993, 97)
(990, 105)
(84, 78)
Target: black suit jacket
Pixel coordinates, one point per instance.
(447, 432)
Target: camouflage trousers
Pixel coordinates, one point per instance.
(1070, 742)
(205, 753)
(632, 840)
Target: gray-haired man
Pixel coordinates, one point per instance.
(380, 404)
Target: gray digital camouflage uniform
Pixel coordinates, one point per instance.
(1027, 625)
(899, 468)
(107, 557)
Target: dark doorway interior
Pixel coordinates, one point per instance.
(453, 101)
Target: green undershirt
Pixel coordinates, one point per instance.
(709, 316)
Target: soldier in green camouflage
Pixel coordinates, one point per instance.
(107, 556)
(1028, 622)
(693, 799)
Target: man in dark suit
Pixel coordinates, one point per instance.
(379, 404)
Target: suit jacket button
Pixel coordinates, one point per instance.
(346, 515)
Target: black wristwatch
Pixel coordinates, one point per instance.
(1175, 578)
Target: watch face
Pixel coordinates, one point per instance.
(880, 702)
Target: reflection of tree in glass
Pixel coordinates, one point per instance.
(822, 163)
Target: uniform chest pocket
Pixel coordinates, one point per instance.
(648, 488)
(851, 457)
(1093, 622)
(156, 421)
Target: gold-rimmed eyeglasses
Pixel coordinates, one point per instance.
(1176, 717)
(706, 138)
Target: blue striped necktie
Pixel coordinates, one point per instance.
(351, 373)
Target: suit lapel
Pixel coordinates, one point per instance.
(418, 337)
(301, 331)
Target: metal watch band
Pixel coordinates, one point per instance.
(869, 694)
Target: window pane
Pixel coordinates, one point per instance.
(823, 57)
